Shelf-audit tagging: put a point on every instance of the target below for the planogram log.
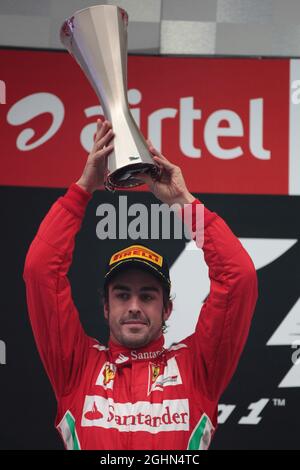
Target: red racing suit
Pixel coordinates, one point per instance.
(149, 398)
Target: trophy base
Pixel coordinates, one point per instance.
(124, 178)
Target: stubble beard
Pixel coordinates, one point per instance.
(132, 342)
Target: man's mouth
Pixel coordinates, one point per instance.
(134, 322)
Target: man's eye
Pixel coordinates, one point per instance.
(123, 296)
(147, 297)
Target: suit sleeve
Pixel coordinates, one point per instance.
(226, 315)
(61, 341)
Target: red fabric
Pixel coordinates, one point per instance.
(151, 398)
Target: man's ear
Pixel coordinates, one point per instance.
(168, 310)
(106, 310)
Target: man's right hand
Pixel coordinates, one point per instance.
(92, 177)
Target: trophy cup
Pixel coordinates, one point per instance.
(97, 38)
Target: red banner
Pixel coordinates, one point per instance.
(225, 122)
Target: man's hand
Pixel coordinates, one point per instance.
(92, 177)
(170, 186)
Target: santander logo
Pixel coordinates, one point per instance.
(170, 415)
(121, 359)
(93, 414)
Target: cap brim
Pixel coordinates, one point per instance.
(139, 264)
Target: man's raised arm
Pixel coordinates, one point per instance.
(61, 341)
(225, 317)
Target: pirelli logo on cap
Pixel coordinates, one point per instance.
(137, 251)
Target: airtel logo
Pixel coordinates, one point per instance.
(222, 123)
(212, 128)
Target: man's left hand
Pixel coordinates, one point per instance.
(170, 186)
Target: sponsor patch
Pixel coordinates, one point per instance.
(121, 359)
(142, 356)
(170, 415)
(160, 377)
(202, 434)
(106, 375)
(137, 251)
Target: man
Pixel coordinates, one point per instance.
(135, 394)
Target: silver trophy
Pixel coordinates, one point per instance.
(97, 38)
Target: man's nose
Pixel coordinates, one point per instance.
(134, 305)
